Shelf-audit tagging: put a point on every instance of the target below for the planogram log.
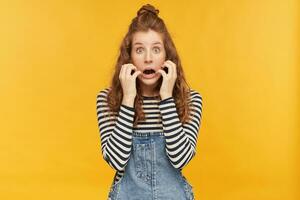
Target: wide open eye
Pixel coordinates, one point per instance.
(156, 49)
(139, 50)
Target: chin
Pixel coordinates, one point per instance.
(149, 81)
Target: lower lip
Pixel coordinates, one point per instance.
(149, 76)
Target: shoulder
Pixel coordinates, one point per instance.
(103, 92)
(102, 95)
(195, 95)
(195, 101)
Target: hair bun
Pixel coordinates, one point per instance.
(148, 8)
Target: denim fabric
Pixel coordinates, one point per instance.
(149, 175)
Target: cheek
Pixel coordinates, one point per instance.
(160, 62)
(161, 58)
(136, 59)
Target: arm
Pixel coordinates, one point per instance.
(115, 133)
(181, 139)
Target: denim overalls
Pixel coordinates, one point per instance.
(149, 175)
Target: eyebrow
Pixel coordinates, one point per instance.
(136, 43)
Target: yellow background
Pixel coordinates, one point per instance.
(241, 55)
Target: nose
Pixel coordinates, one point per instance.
(148, 57)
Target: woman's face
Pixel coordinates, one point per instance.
(148, 52)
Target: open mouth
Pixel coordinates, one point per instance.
(149, 71)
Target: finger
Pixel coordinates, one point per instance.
(171, 62)
(165, 68)
(174, 68)
(121, 74)
(166, 64)
(162, 72)
(136, 73)
(124, 70)
(129, 68)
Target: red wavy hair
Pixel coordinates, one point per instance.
(146, 19)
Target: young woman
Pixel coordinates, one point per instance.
(149, 118)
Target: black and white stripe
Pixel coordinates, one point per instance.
(116, 132)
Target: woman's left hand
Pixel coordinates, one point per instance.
(169, 79)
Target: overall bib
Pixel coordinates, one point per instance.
(149, 175)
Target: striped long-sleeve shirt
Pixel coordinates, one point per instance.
(161, 115)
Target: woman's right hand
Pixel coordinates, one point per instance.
(128, 81)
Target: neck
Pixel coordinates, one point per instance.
(149, 91)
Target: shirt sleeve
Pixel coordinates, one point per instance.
(115, 132)
(181, 139)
